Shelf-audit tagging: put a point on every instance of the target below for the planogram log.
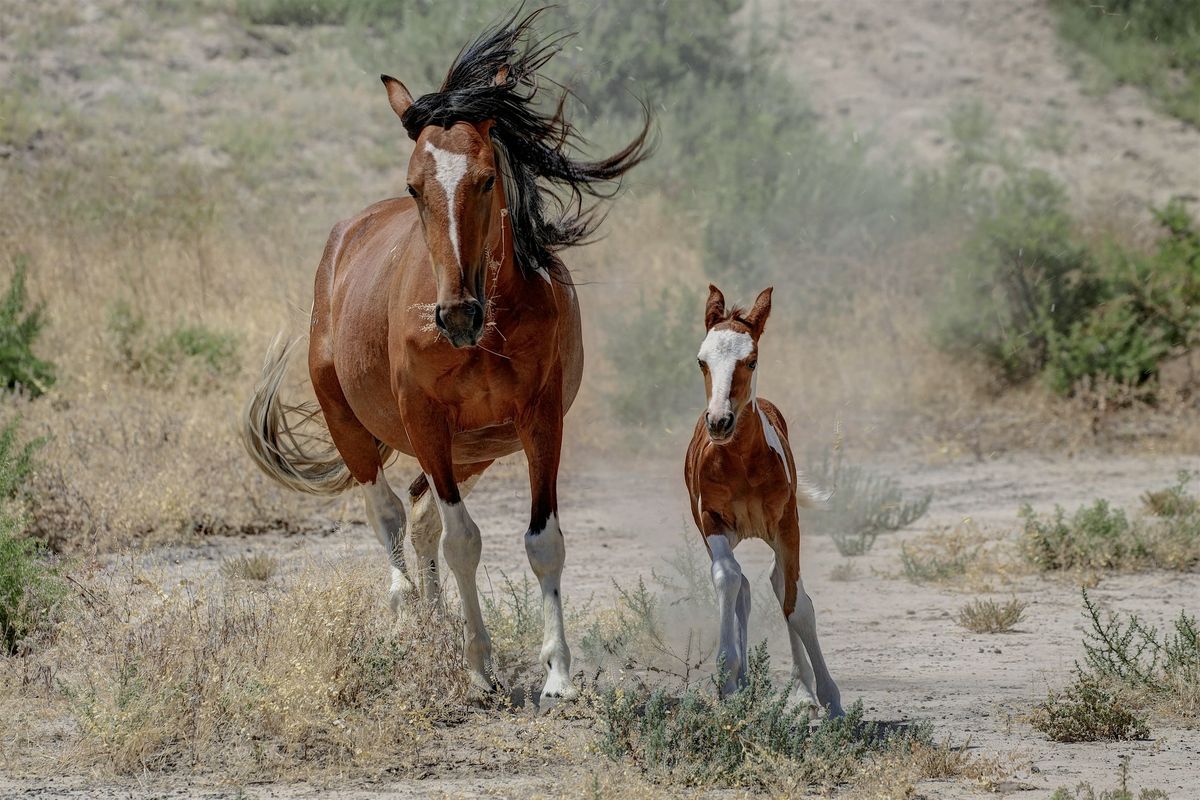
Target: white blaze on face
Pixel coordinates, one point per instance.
(451, 167)
(721, 351)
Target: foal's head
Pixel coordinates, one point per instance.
(728, 358)
(452, 175)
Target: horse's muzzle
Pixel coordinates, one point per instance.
(461, 322)
(720, 429)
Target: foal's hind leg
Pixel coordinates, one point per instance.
(814, 683)
(360, 450)
(426, 525)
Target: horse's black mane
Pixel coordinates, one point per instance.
(536, 145)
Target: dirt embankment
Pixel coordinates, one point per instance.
(894, 70)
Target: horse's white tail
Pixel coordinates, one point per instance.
(290, 443)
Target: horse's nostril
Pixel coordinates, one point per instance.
(437, 318)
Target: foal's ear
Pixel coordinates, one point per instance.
(714, 309)
(398, 95)
(757, 318)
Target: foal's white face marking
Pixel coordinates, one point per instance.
(721, 351)
(451, 168)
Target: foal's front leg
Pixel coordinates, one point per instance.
(733, 600)
(541, 435)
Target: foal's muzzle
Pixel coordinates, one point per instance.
(720, 428)
(461, 321)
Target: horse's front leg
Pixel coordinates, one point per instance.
(430, 434)
(541, 435)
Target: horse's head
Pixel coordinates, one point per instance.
(728, 358)
(452, 175)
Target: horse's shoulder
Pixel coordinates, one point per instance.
(774, 416)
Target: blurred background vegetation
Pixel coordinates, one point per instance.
(171, 170)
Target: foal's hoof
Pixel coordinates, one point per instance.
(803, 701)
(557, 689)
(485, 690)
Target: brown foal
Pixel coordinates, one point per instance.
(743, 484)
(445, 326)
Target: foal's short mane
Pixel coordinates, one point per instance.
(533, 145)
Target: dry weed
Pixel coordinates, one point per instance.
(258, 567)
(964, 557)
(311, 675)
(989, 616)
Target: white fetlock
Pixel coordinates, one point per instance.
(801, 698)
(402, 593)
(558, 687)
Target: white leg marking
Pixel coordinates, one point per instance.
(721, 350)
(451, 167)
(385, 513)
(814, 685)
(426, 531)
(462, 545)
(804, 621)
(547, 552)
(727, 580)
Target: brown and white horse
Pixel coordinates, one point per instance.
(743, 484)
(445, 326)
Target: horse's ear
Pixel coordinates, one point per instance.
(714, 309)
(398, 95)
(757, 318)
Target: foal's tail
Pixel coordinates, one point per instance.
(290, 443)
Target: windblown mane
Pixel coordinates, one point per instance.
(545, 185)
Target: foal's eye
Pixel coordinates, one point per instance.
(752, 365)
(413, 193)
(489, 183)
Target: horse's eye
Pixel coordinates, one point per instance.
(752, 365)
(489, 183)
(413, 193)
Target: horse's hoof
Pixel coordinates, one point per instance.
(557, 690)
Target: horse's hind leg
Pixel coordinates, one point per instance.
(426, 525)
(360, 450)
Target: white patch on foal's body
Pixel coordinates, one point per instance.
(773, 440)
(451, 168)
(721, 350)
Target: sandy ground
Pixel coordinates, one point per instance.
(892, 71)
(890, 643)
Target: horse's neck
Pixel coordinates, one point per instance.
(750, 437)
(504, 273)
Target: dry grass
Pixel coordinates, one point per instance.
(964, 557)
(988, 616)
(256, 567)
(314, 675)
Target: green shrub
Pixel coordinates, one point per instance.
(751, 739)
(1100, 537)
(862, 505)
(940, 556)
(1085, 791)
(30, 584)
(1022, 280)
(1088, 711)
(20, 327)
(1154, 44)
(186, 353)
(1133, 654)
